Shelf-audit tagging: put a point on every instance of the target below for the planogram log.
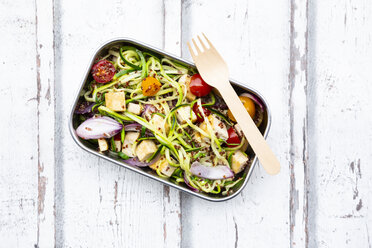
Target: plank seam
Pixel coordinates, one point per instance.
(38, 85)
(55, 125)
(44, 40)
(294, 193)
(168, 195)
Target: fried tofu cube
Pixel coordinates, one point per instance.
(164, 167)
(183, 114)
(130, 138)
(134, 108)
(159, 123)
(185, 80)
(239, 161)
(102, 144)
(145, 149)
(115, 101)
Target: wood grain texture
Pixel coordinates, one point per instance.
(46, 117)
(261, 60)
(310, 59)
(340, 135)
(298, 106)
(19, 154)
(96, 197)
(172, 229)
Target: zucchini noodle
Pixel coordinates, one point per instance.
(177, 125)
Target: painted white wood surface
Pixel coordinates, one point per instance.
(310, 59)
(19, 125)
(126, 205)
(259, 59)
(340, 134)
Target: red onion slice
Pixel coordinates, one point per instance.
(136, 162)
(148, 110)
(99, 127)
(135, 127)
(211, 172)
(84, 108)
(220, 103)
(188, 184)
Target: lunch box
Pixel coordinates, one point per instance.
(89, 147)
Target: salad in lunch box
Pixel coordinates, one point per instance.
(153, 112)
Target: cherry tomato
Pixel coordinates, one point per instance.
(103, 71)
(198, 86)
(199, 116)
(248, 105)
(233, 137)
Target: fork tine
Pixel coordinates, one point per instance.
(196, 47)
(209, 43)
(202, 43)
(191, 51)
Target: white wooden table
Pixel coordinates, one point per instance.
(311, 59)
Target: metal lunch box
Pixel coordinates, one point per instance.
(239, 88)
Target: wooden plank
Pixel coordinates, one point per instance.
(339, 133)
(46, 114)
(172, 197)
(19, 125)
(298, 80)
(98, 203)
(253, 37)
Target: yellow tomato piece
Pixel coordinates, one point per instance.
(150, 86)
(248, 105)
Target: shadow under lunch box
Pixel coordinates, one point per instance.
(239, 88)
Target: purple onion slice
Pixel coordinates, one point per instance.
(84, 108)
(135, 127)
(211, 172)
(148, 110)
(220, 103)
(188, 184)
(99, 127)
(136, 162)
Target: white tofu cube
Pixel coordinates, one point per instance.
(117, 145)
(145, 149)
(102, 144)
(134, 108)
(185, 80)
(164, 167)
(130, 138)
(200, 138)
(159, 123)
(239, 161)
(218, 127)
(183, 114)
(115, 100)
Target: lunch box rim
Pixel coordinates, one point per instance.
(138, 170)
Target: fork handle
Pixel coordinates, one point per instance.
(265, 155)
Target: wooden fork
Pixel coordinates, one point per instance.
(213, 69)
